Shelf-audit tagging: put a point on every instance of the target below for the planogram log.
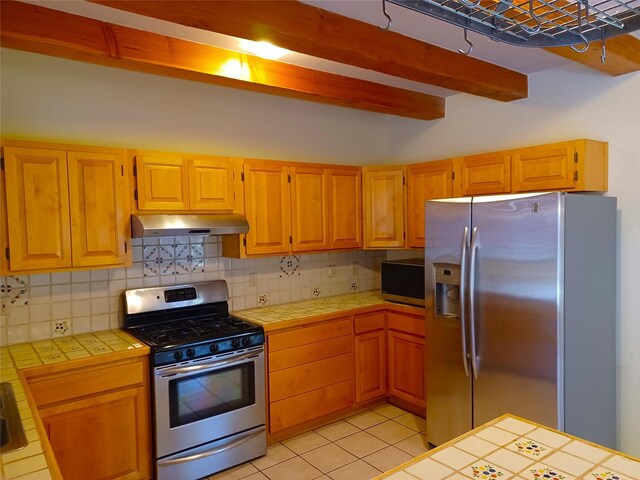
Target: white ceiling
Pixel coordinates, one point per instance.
(404, 21)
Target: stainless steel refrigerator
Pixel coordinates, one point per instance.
(523, 291)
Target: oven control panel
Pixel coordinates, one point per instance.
(208, 348)
(180, 294)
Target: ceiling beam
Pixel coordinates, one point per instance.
(51, 32)
(622, 55)
(313, 31)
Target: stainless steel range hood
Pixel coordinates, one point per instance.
(183, 225)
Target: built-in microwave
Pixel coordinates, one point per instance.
(403, 280)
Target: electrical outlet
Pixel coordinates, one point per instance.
(354, 268)
(331, 271)
(253, 279)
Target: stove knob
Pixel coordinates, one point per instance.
(177, 355)
(246, 341)
(191, 352)
(214, 348)
(235, 343)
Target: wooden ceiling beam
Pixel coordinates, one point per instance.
(622, 55)
(41, 30)
(313, 31)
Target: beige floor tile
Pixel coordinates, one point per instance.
(412, 421)
(414, 445)
(390, 432)
(357, 470)
(329, 457)
(361, 444)
(387, 458)
(366, 419)
(276, 453)
(257, 476)
(389, 411)
(337, 430)
(293, 469)
(236, 473)
(303, 443)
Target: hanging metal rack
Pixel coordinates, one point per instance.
(536, 23)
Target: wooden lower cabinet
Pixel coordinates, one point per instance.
(370, 356)
(97, 419)
(406, 360)
(310, 373)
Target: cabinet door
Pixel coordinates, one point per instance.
(211, 185)
(406, 368)
(383, 207)
(309, 209)
(548, 167)
(370, 363)
(426, 181)
(162, 183)
(99, 208)
(346, 208)
(37, 208)
(102, 437)
(267, 207)
(486, 174)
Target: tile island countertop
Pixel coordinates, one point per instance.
(514, 448)
(31, 462)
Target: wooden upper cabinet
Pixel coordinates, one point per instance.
(39, 234)
(162, 182)
(579, 165)
(426, 181)
(211, 184)
(489, 173)
(309, 208)
(383, 205)
(65, 208)
(346, 208)
(99, 208)
(267, 207)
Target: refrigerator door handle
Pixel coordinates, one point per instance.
(463, 289)
(472, 288)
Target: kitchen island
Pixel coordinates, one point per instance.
(514, 448)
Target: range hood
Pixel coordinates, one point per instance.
(183, 225)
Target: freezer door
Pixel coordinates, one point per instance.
(515, 295)
(448, 383)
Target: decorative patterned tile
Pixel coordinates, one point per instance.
(354, 286)
(197, 250)
(486, 471)
(263, 299)
(529, 448)
(316, 291)
(541, 471)
(624, 465)
(14, 291)
(61, 327)
(601, 473)
(290, 266)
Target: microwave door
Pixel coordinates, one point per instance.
(448, 381)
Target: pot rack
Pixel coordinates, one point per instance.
(534, 23)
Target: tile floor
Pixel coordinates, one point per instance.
(357, 448)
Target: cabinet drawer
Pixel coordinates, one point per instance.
(306, 335)
(64, 386)
(406, 323)
(308, 406)
(368, 323)
(309, 353)
(310, 376)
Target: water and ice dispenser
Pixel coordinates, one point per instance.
(447, 292)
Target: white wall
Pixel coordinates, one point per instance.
(51, 99)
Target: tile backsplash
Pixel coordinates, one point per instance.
(42, 306)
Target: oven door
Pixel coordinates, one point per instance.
(203, 400)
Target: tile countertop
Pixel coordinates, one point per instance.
(287, 314)
(513, 448)
(30, 463)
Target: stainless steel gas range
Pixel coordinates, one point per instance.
(208, 378)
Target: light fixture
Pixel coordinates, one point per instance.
(263, 49)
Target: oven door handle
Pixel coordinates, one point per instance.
(245, 437)
(208, 365)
